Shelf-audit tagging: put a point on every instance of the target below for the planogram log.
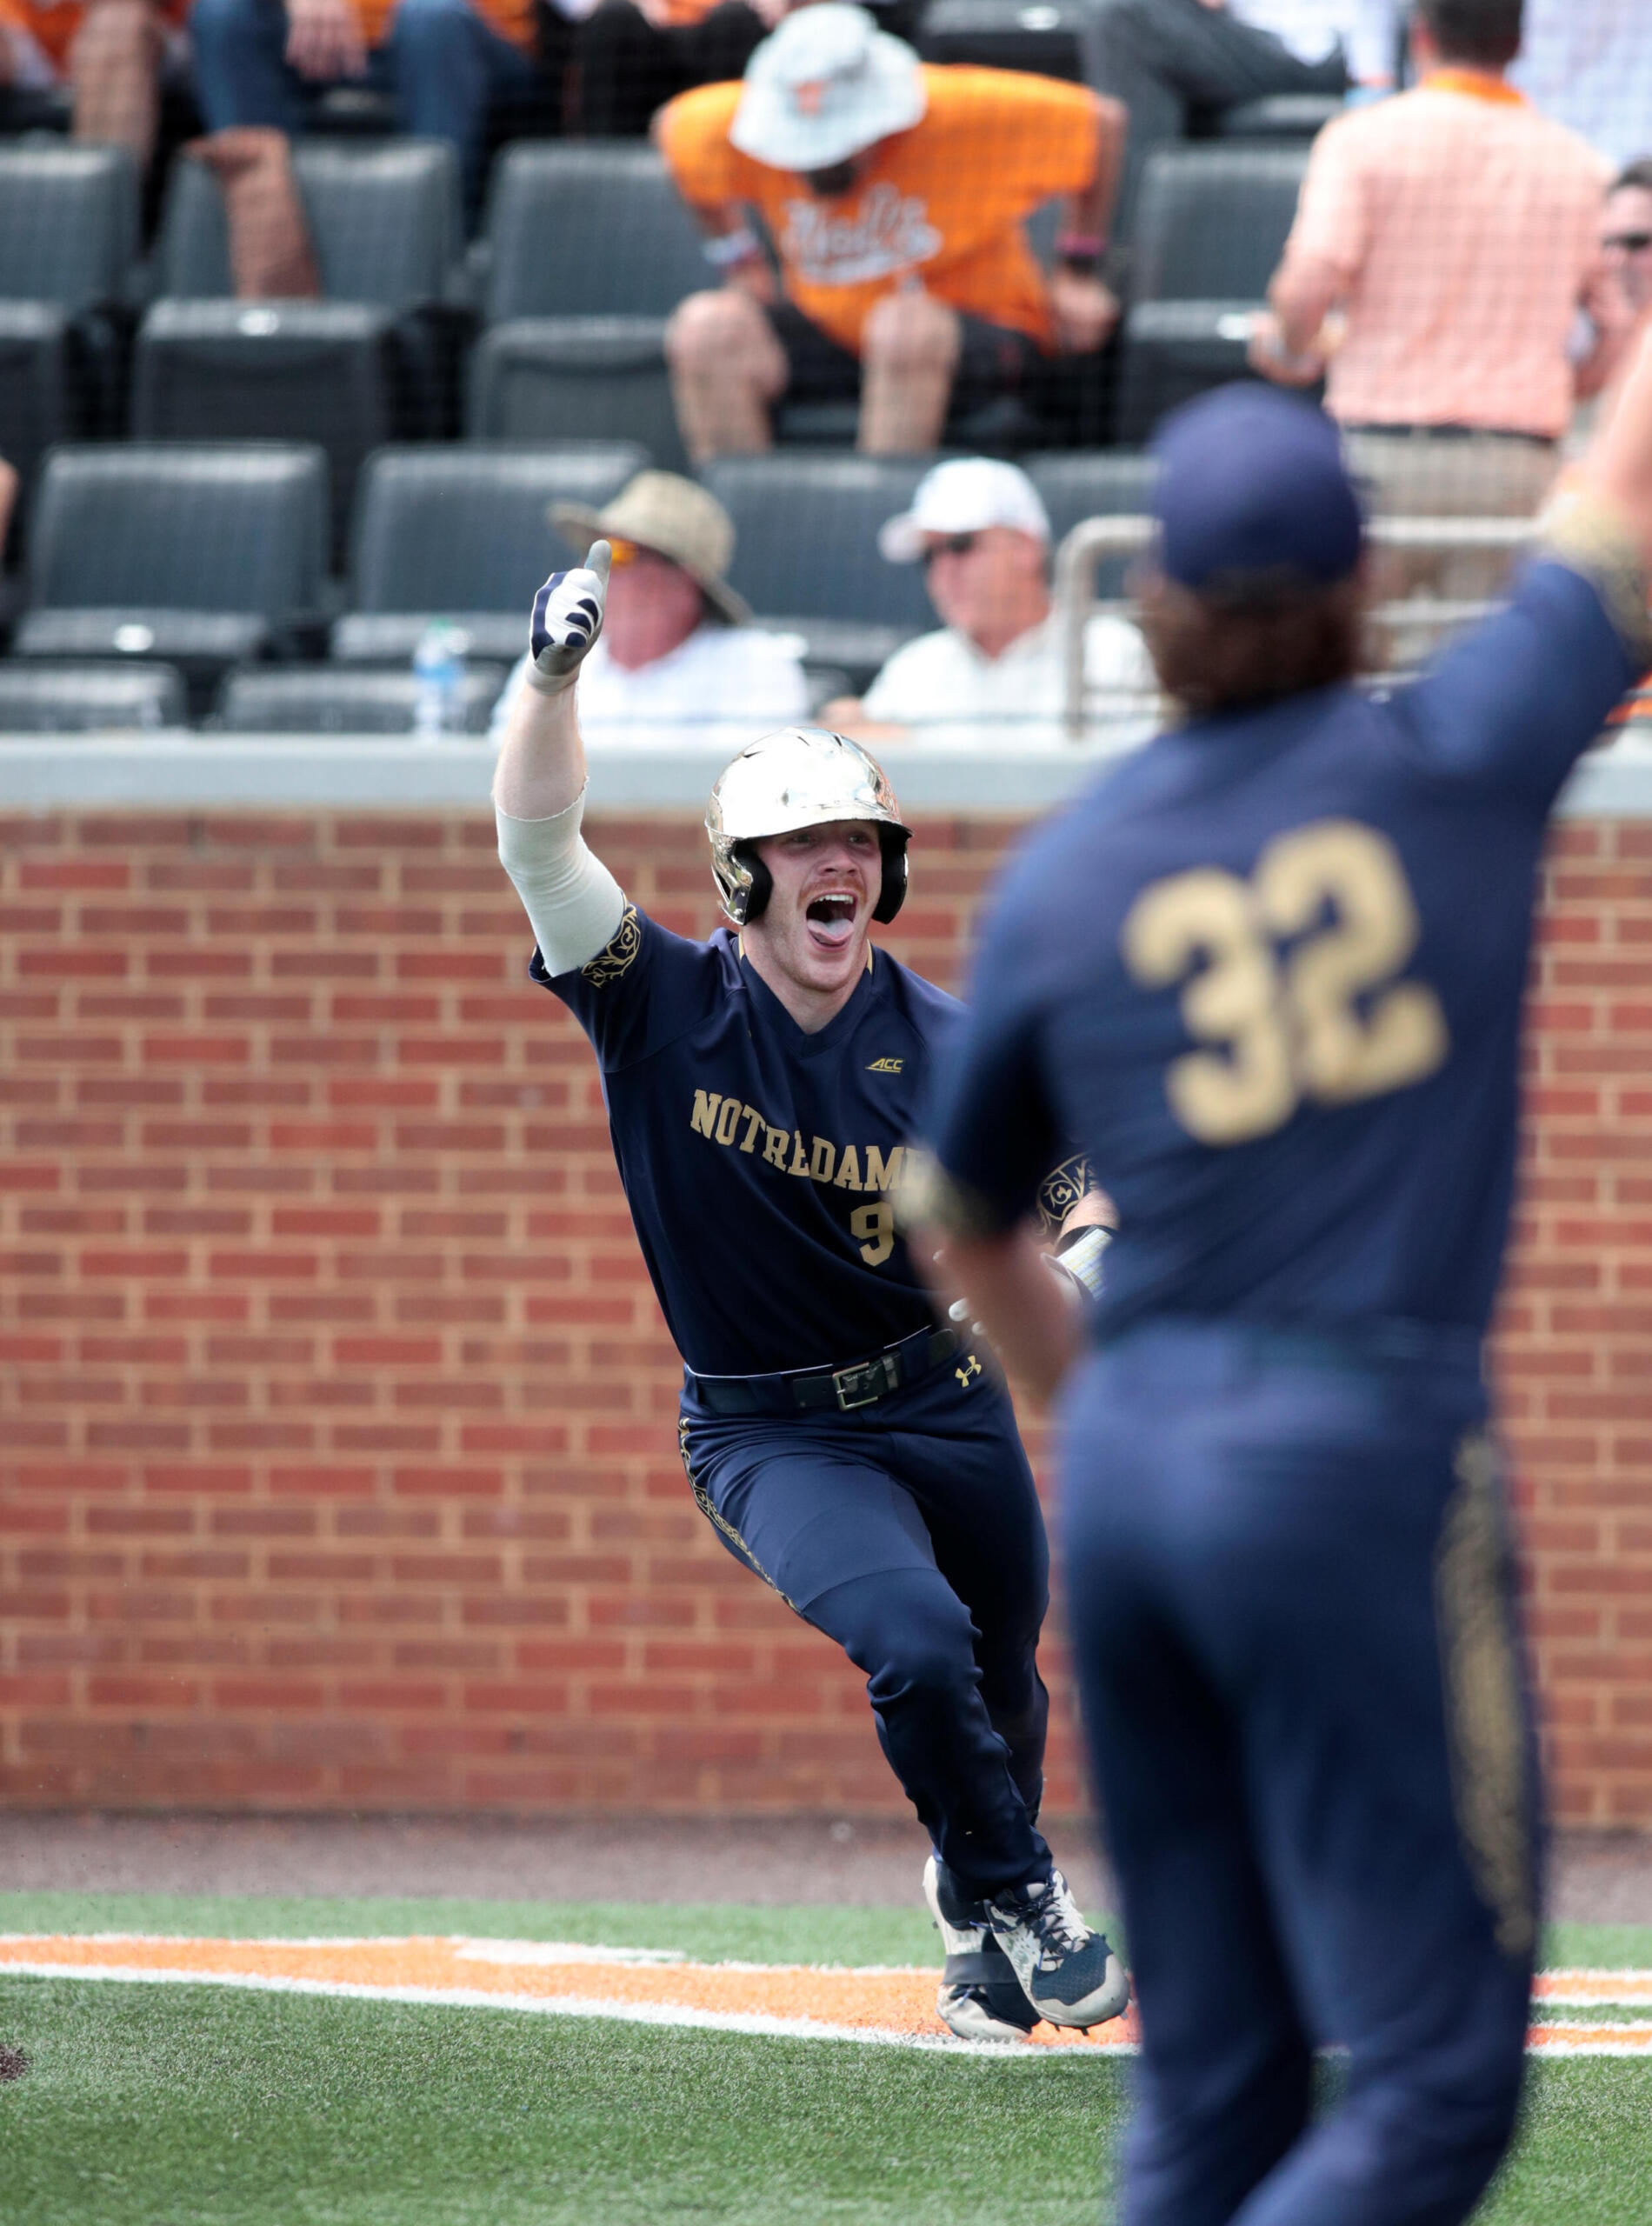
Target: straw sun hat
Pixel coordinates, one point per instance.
(674, 518)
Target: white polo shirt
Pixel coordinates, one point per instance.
(950, 694)
(721, 678)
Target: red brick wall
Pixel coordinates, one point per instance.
(336, 1464)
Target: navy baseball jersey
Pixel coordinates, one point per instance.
(1268, 977)
(759, 1160)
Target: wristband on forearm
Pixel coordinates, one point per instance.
(727, 249)
(1079, 252)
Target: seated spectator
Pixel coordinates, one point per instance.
(1626, 238)
(268, 61)
(1588, 65)
(112, 55)
(1457, 230)
(1165, 59)
(895, 194)
(992, 675)
(1619, 297)
(678, 649)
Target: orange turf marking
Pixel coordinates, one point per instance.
(892, 2005)
(896, 2003)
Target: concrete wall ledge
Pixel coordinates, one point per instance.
(175, 768)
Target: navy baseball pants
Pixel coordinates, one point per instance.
(1309, 1720)
(909, 1531)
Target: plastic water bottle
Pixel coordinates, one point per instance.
(438, 682)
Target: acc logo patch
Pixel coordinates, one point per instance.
(609, 965)
(886, 1066)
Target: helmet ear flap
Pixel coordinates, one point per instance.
(762, 883)
(891, 842)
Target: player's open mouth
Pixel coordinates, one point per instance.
(831, 918)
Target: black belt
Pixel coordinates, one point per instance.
(860, 1383)
(1455, 433)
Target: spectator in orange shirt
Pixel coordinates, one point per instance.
(895, 193)
(111, 53)
(265, 62)
(1457, 231)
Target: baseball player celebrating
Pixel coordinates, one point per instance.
(1284, 1023)
(761, 1090)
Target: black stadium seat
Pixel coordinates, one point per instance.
(1209, 228)
(588, 249)
(89, 699)
(325, 371)
(383, 219)
(204, 557)
(341, 699)
(68, 241)
(588, 228)
(806, 549)
(1040, 36)
(542, 379)
(462, 533)
(1279, 116)
(375, 361)
(1093, 483)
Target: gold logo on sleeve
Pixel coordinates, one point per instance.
(886, 1066)
(609, 965)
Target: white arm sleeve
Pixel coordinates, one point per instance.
(573, 903)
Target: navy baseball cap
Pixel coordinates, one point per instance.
(1253, 494)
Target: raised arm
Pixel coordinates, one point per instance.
(573, 902)
(542, 760)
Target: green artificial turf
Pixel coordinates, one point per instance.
(148, 2105)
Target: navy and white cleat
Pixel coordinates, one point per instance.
(980, 1997)
(1069, 1973)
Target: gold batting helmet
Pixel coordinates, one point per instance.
(799, 776)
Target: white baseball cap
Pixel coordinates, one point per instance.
(824, 85)
(965, 496)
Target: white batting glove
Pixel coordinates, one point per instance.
(568, 618)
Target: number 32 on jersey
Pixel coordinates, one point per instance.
(1324, 1021)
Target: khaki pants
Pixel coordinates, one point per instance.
(1474, 474)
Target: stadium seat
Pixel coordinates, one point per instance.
(88, 699)
(227, 370)
(587, 228)
(588, 250)
(462, 533)
(1086, 484)
(539, 378)
(1209, 229)
(1281, 116)
(204, 557)
(806, 549)
(377, 360)
(68, 218)
(1040, 36)
(384, 218)
(341, 699)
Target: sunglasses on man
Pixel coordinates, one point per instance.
(951, 544)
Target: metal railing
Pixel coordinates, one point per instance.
(1093, 540)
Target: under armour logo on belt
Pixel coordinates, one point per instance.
(967, 1374)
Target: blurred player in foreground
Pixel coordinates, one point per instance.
(1268, 975)
(761, 1088)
